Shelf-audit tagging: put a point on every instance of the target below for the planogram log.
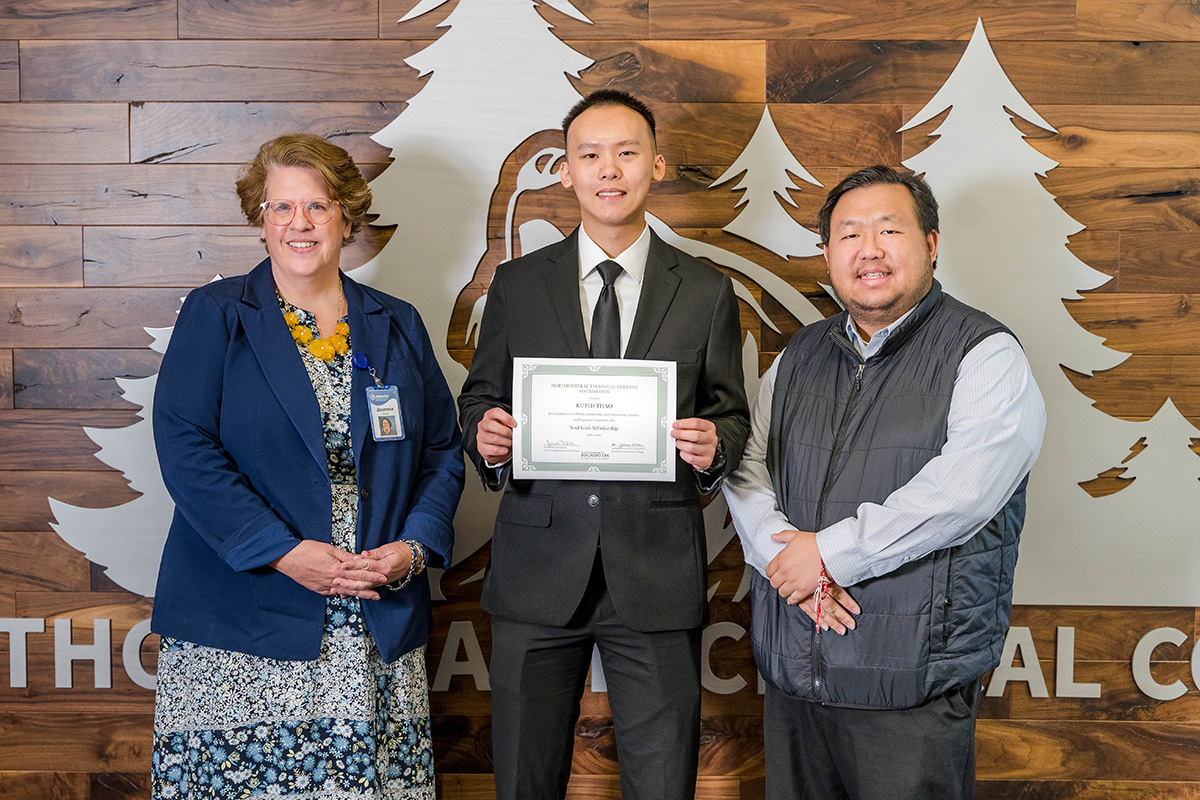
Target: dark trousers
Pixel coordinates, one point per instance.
(816, 752)
(538, 674)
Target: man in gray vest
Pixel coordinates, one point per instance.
(880, 501)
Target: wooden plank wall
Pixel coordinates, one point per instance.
(122, 125)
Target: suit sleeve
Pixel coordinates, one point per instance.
(489, 382)
(721, 392)
(439, 480)
(209, 491)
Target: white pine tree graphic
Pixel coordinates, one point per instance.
(770, 171)
(127, 539)
(496, 76)
(1003, 249)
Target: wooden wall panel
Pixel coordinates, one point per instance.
(88, 19)
(6, 379)
(30, 740)
(357, 71)
(141, 194)
(10, 75)
(37, 441)
(91, 318)
(83, 379)
(676, 71)
(231, 133)
(862, 19)
(265, 19)
(1160, 20)
(40, 255)
(25, 507)
(52, 133)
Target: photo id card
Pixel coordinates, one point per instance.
(387, 424)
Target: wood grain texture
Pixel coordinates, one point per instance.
(1136, 388)
(1142, 20)
(1120, 699)
(87, 19)
(1050, 73)
(860, 19)
(263, 19)
(1148, 324)
(1161, 137)
(10, 73)
(42, 785)
(676, 71)
(1159, 261)
(37, 255)
(1087, 790)
(84, 318)
(39, 561)
(55, 440)
(189, 256)
(119, 742)
(231, 133)
(6, 379)
(73, 133)
(158, 194)
(83, 379)
(1072, 751)
(25, 493)
(363, 71)
(1128, 199)
(609, 19)
(1102, 633)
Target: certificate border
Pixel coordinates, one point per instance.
(524, 467)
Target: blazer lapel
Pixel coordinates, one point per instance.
(369, 324)
(279, 359)
(659, 285)
(562, 282)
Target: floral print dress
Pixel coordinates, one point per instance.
(348, 725)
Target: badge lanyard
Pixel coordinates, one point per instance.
(383, 402)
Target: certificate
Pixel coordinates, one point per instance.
(593, 419)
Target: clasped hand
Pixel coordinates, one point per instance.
(328, 570)
(794, 573)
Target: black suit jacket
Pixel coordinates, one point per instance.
(651, 534)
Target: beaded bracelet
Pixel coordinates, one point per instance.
(415, 566)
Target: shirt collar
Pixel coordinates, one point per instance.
(632, 260)
(880, 337)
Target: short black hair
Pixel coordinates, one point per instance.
(922, 195)
(609, 97)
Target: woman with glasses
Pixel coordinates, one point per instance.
(292, 599)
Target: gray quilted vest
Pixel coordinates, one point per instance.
(846, 431)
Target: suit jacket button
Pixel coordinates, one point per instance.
(593, 500)
(363, 493)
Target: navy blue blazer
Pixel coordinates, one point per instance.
(238, 432)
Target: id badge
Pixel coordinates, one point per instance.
(387, 423)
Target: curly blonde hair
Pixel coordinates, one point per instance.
(341, 175)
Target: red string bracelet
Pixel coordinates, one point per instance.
(823, 584)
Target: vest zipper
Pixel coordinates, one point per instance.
(838, 441)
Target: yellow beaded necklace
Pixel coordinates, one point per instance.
(326, 347)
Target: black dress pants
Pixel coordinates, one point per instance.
(816, 752)
(538, 674)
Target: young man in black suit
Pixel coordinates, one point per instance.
(621, 564)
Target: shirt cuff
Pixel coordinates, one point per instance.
(839, 550)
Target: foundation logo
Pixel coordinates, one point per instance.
(474, 183)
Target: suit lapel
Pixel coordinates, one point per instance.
(562, 282)
(279, 359)
(369, 326)
(659, 285)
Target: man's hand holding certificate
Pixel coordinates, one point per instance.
(594, 419)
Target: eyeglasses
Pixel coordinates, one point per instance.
(281, 212)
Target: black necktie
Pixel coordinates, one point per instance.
(606, 317)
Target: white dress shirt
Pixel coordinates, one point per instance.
(628, 284)
(994, 433)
